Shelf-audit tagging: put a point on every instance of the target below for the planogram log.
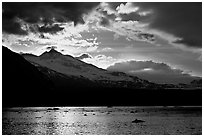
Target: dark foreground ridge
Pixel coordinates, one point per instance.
(102, 97)
(26, 85)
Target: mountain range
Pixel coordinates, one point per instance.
(73, 68)
(53, 79)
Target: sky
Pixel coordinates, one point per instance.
(144, 39)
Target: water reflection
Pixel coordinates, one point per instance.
(66, 121)
(46, 123)
(76, 120)
(99, 120)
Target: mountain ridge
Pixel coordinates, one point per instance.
(71, 66)
(90, 71)
(30, 84)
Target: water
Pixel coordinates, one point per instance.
(102, 120)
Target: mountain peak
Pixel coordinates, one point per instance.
(50, 54)
(53, 51)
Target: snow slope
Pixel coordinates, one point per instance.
(71, 66)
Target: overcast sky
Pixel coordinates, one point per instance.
(155, 38)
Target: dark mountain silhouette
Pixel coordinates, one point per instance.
(18, 71)
(194, 84)
(20, 78)
(197, 83)
(54, 79)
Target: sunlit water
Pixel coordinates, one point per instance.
(102, 120)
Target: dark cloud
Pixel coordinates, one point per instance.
(104, 22)
(189, 41)
(106, 17)
(146, 36)
(114, 5)
(141, 35)
(135, 16)
(10, 26)
(50, 29)
(28, 42)
(46, 13)
(152, 71)
(52, 47)
(42, 36)
(83, 56)
(182, 19)
(105, 13)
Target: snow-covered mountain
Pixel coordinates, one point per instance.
(72, 67)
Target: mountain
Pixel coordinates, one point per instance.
(18, 71)
(21, 79)
(195, 84)
(53, 79)
(77, 69)
(89, 75)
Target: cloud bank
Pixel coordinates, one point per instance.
(152, 71)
